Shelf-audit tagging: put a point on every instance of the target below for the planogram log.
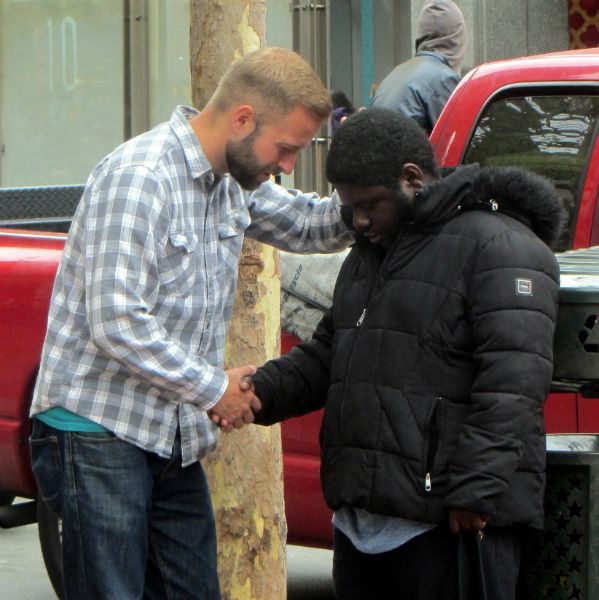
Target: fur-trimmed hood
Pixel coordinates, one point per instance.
(523, 195)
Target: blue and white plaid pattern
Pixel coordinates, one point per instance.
(145, 289)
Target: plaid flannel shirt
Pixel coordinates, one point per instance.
(146, 285)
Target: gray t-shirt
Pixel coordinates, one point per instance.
(373, 534)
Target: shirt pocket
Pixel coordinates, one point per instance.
(178, 266)
(231, 231)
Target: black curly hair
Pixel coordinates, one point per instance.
(372, 146)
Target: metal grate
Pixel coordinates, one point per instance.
(559, 569)
(48, 208)
(565, 565)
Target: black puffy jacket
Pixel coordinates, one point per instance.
(436, 357)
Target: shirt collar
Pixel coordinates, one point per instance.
(199, 165)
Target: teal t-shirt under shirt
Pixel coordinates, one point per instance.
(65, 420)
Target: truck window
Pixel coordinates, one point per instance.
(551, 135)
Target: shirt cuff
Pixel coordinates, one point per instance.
(210, 390)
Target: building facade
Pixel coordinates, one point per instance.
(77, 77)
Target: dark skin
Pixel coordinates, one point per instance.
(378, 213)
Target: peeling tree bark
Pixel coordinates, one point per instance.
(245, 473)
(221, 30)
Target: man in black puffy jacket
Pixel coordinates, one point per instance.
(432, 364)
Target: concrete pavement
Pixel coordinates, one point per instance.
(23, 575)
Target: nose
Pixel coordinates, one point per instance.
(361, 221)
(287, 163)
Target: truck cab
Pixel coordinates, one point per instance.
(540, 113)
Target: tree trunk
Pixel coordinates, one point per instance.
(220, 31)
(246, 472)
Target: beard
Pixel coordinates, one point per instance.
(404, 211)
(242, 163)
(405, 206)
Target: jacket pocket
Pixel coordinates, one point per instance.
(431, 444)
(443, 429)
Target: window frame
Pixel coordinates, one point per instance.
(537, 89)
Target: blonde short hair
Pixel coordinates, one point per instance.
(273, 80)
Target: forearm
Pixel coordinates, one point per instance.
(296, 221)
(134, 339)
(292, 385)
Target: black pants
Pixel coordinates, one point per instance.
(426, 568)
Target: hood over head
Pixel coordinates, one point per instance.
(442, 29)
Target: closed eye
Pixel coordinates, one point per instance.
(288, 149)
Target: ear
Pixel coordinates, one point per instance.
(243, 119)
(412, 177)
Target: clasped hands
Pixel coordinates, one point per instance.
(238, 404)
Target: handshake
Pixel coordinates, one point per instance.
(238, 404)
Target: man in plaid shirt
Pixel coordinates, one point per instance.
(132, 364)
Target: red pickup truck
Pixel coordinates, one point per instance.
(538, 112)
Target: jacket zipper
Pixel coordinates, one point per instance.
(377, 286)
(362, 317)
(433, 442)
(371, 293)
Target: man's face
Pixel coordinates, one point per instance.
(270, 148)
(377, 211)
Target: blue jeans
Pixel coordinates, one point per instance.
(134, 525)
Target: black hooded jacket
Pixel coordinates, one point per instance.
(436, 357)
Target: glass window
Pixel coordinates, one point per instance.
(61, 92)
(169, 68)
(77, 77)
(80, 76)
(551, 135)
